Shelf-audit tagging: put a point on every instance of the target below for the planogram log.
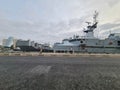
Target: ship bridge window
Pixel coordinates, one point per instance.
(81, 41)
(112, 34)
(118, 43)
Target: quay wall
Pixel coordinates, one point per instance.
(59, 54)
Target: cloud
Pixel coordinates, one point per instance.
(51, 21)
(105, 29)
(112, 3)
(109, 26)
(40, 31)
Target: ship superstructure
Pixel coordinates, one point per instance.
(28, 45)
(89, 43)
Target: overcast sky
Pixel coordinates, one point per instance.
(53, 20)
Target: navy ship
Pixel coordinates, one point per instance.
(28, 45)
(89, 43)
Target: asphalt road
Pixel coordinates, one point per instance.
(59, 73)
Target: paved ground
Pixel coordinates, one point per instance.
(59, 73)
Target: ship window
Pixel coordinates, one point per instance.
(81, 41)
(118, 43)
(112, 34)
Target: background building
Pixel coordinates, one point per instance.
(10, 42)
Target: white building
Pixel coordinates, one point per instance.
(9, 42)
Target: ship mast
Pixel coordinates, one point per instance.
(90, 28)
(95, 17)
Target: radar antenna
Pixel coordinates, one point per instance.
(88, 23)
